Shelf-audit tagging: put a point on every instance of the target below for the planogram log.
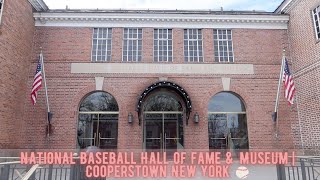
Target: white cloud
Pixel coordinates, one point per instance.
(268, 5)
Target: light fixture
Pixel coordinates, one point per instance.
(130, 118)
(196, 118)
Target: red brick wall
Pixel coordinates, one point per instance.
(305, 58)
(16, 36)
(63, 46)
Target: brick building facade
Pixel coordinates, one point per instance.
(16, 42)
(248, 73)
(304, 44)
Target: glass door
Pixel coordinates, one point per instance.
(98, 129)
(107, 134)
(163, 131)
(153, 126)
(228, 132)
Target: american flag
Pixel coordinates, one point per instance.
(288, 83)
(37, 81)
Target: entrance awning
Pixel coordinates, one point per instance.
(169, 85)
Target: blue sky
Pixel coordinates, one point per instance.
(264, 5)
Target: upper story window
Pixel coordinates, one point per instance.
(162, 45)
(316, 20)
(193, 51)
(101, 44)
(223, 51)
(132, 44)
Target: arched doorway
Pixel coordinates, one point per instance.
(98, 121)
(227, 122)
(163, 107)
(163, 122)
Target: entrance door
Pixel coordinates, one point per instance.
(98, 121)
(227, 123)
(100, 130)
(228, 132)
(163, 131)
(107, 131)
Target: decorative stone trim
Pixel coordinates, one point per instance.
(89, 19)
(99, 83)
(226, 83)
(154, 68)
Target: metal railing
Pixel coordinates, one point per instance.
(13, 170)
(305, 168)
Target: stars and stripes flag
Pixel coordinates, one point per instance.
(288, 83)
(37, 81)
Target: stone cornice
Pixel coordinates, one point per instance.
(85, 19)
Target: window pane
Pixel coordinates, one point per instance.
(193, 45)
(101, 44)
(231, 59)
(132, 44)
(217, 127)
(226, 102)
(162, 44)
(99, 101)
(223, 45)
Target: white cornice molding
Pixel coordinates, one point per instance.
(253, 21)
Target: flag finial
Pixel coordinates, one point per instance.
(284, 52)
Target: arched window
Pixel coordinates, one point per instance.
(162, 102)
(227, 122)
(98, 121)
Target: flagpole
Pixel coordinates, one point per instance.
(275, 114)
(46, 90)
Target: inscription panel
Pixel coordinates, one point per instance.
(149, 68)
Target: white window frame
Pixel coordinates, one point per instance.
(218, 40)
(158, 39)
(193, 40)
(135, 41)
(1, 10)
(316, 18)
(96, 51)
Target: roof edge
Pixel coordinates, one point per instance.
(87, 19)
(285, 6)
(160, 11)
(39, 5)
